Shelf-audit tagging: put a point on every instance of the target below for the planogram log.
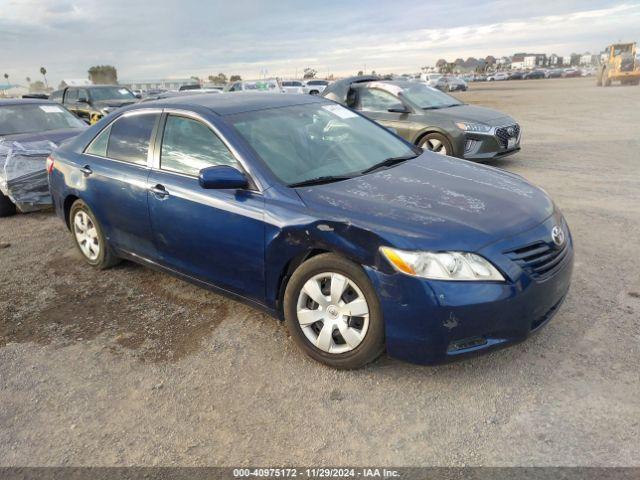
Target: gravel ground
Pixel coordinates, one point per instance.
(133, 367)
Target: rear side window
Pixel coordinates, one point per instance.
(188, 146)
(129, 138)
(99, 144)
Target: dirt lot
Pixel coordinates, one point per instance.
(133, 367)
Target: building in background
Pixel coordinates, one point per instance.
(554, 60)
(517, 61)
(159, 84)
(534, 60)
(12, 91)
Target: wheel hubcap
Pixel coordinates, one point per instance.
(435, 145)
(86, 235)
(333, 313)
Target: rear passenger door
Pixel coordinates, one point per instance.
(216, 236)
(116, 167)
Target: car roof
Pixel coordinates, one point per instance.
(25, 101)
(232, 103)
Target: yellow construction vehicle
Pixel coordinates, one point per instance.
(621, 65)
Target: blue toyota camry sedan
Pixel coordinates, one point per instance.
(359, 240)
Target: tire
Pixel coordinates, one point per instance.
(7, 207)
(606, 81)
(437, 143)
(319, 332)
(89, 238)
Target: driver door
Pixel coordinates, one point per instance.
(375, 104)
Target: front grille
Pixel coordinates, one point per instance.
(539, 259)
(503, 133)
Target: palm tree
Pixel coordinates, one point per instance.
(43, 71)
(6, 77)
(28, 79)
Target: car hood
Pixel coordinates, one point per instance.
(473, 113)
(55, 136)
(434, 202)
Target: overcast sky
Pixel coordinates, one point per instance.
(180, 38)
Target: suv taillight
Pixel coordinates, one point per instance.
(50, 164)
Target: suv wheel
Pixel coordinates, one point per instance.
(333, 314)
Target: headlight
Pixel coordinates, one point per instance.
(473, 127)
(442, 265)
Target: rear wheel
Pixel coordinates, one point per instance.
(437, 143)
(333, 314)
(7, 207)
(89, 238)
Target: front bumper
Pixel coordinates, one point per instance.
(487, 146)
(431, 322)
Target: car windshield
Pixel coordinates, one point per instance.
(427, 97)
(115, 93)
(33, 118)
(305, 142)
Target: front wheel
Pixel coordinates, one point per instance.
(333, 314)
(437, 143)
(89, 237)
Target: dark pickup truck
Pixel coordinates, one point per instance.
(93, 102)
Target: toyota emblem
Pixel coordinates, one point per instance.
(557, 235)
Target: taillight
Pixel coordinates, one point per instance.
(50, 164)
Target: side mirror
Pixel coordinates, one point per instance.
(138, 96)
(221, 177)
(399, 108)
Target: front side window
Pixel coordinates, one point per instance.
(374, 100)
(129, 138)
(304, 142)
(188, 146)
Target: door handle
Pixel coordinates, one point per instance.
(159, 191)
(86, 170)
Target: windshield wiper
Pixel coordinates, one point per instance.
(442, 106)
(389, 162)
(321, 180)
